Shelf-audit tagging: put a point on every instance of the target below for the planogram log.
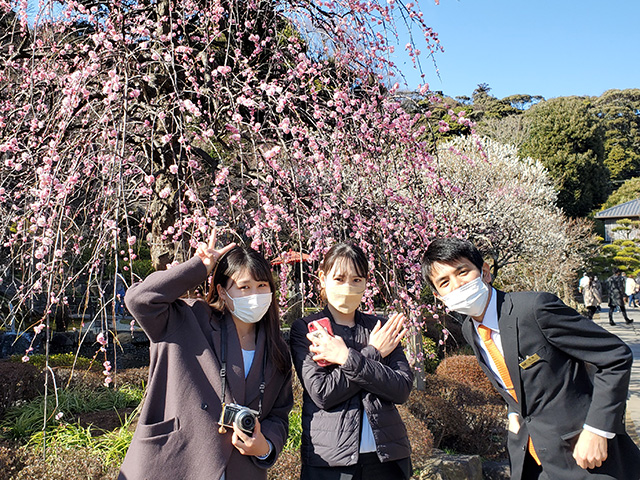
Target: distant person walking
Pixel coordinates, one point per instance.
(584, 281)
(592, 295)
(120, 293)
(616, 287)
(630, 289)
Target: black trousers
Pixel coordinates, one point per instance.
(368, 467)
(531, 470)
(622, 309)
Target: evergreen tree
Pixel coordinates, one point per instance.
(567, 136)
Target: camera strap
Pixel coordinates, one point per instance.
(223, 367)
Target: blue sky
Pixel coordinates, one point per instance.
(538, 47)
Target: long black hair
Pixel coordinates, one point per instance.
(242, 258)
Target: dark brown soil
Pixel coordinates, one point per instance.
(104, 420)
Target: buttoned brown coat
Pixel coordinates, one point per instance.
(177, 434)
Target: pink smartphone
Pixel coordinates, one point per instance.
(325, 323)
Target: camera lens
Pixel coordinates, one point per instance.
(246, 421)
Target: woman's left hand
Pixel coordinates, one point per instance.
(330, 348)
(256, 445)
(385, 338)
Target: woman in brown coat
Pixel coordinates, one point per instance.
(204, 357)
(592, 294)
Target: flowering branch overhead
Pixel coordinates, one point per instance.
(130, 130)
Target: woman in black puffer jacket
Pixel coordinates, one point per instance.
(350, 425)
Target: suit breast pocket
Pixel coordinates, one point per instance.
(534, 361)
(152, 431)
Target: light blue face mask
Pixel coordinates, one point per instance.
(469, 299)
(252, 308)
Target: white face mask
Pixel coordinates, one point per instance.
(469, 299)
(251, 309)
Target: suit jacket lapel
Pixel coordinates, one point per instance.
(254, 378)
(508, 323)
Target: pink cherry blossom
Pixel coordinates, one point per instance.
(146, 139)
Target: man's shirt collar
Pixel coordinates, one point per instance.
(490, 319)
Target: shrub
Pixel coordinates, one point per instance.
(430, 350)
(461, 417)
(65, 464)
(485, 433)
(115, 444)
(440, 416)
(420, 437)
(111, 446)
(287, 466)
(25, 420)
(11, 461)
(294, 440)
(19, 382)
(60, 360)
(136, 377)
(465, 369)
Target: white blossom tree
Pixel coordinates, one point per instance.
(507, 206)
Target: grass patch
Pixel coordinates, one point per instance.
(65, 360)
(294, 440)
(110, 446)
(114, 444)
(24, 421)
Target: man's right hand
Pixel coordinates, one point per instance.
(590, 450)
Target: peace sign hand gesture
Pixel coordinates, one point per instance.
(208, 253)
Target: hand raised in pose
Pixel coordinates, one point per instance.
(208, 253)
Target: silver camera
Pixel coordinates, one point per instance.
(234, 414)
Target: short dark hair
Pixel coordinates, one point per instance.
(448, 250)
(345, 251)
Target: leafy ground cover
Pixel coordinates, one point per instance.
(90, 439)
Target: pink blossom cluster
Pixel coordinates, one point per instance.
(108, 378)
(286, 138)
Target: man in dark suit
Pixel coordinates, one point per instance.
(563, 423)
(616, 287)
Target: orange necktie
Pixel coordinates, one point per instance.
(498, 359)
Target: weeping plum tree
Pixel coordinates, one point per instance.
(131, 125)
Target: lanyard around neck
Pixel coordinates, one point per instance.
(223, 370)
